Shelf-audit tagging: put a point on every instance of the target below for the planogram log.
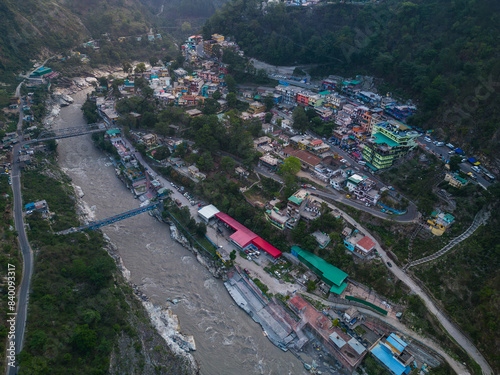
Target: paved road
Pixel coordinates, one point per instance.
(412, 214)
(450, 327)
(459, 337)
(444, 153)
(23, 296)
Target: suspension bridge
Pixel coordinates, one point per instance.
(48, 135)
(112, 219)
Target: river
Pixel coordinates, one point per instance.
(227, 340)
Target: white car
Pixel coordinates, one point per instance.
(427, 139)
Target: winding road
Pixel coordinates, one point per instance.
(23, 294)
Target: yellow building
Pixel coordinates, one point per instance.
(256, 107)
(455, 180)
(218, 38)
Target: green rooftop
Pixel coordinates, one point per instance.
(380, 138)
(326, 271)
(338, 289)
(113, 131)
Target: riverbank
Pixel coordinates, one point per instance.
(162, 318)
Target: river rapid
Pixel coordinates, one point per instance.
(228, 341)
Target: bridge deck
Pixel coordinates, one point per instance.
(112, 219)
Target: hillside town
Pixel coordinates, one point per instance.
(304, 303)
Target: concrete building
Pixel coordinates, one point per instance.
(345, 348)
(150, 140)
(322, 239)
(389, 141)
(455, 180)
(269, 161)
(207, 213)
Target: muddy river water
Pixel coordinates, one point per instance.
(227, 340)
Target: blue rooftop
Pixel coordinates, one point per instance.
(396, 342)
(384, 355)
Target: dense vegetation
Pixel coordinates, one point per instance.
(443, 53)
(467, 282)
(9, 254)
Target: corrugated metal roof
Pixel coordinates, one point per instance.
(384, 355)
(329, 271)
(353, 343)
(338, 289)
(267, 247)
(337, 340)
(208, 211)
(399, 340)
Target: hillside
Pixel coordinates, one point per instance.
(37, 29)
(443, 53)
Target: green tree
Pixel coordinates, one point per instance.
(300, 119)
(83, 339)
(127, 68)
(153, 60)
(269, 117)
(140, 68)
(269, 102)
(291, 166)
(232, 100)
(230, 83)
(232, 255)
(211, 106)
(185, 27)
(227, 163)
(216, 95)
(455, 163)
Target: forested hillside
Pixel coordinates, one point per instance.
(36, 29)
(444, 53)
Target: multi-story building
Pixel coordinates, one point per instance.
(288, 93)
(303, 98)
(256, 107)
(316, 101)
(336, 101)
(208, 46)
(342, 119)
(390, 140)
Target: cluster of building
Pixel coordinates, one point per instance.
(41, 76)
(370, 126)
(299, 206)
(242, 237)
(142, 183)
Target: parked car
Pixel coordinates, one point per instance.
(389, 264)
(427, 139)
